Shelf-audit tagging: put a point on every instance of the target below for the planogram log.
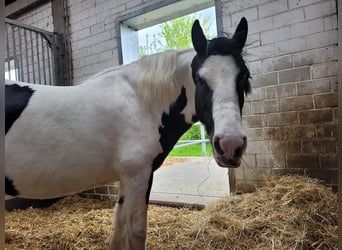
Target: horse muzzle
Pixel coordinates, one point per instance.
(228, 150)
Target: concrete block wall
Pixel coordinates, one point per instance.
(291, 116)
(93, 33)
(40, 17)
(108, 192)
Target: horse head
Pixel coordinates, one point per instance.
(222, 80)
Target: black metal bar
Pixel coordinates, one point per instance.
(43, 56)
(14, 52)
(8, 56)
(49, 66)
(21, 73)
(38, 61)
(32, 59)
(54, 54)
(27, 61)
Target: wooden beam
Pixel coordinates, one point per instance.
(21, 6)
(57, 10)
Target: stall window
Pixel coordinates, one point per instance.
(149, 31)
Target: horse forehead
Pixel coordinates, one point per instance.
(218, 69)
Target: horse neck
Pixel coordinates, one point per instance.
(179, 116)
(185, 82)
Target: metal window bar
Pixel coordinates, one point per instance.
(38, 54)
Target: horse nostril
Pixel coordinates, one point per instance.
(217, 147)
(238, 152)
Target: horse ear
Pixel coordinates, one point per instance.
(198, 39)
(241, 32)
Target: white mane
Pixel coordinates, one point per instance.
(156, 79)
(155, 76)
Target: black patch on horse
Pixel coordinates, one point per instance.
(16, 99)
(10, 188)
(172, 128)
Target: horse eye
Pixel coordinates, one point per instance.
(199, 79)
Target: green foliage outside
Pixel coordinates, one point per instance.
(175, 35)
(193, 133)
(193, 150)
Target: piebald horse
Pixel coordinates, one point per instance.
(120, 125)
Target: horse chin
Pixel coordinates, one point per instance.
(227, 163)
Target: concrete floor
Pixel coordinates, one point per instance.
(192, 181)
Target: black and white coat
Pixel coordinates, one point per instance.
(120, 125)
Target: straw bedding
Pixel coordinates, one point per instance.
(288, 212)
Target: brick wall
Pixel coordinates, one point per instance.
(93, 33)
(108, 192)
(291, 116)
(40, 17)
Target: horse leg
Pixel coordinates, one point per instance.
(131, 214)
